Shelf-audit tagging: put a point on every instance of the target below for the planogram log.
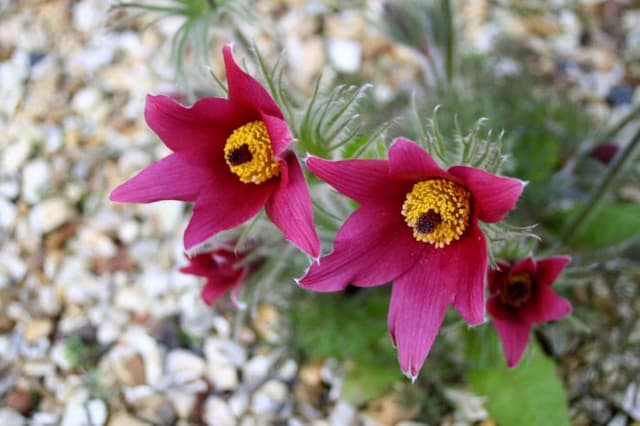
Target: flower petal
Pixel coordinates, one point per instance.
(548, 269)
(525, 265)
(214, 288)
(547, 306)
(198, 133)
(419, 300)
(244, 88)
(170, 178)
(371, 248)
(493, 195)
(467, 265)
(224, 204)
(407, 160)
(278, 133)
(290, 209)
(514, 336)
(364, 181)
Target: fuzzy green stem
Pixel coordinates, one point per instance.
(450, 39)
(597, 197)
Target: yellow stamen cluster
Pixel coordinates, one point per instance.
(249, 155)
(438, 211)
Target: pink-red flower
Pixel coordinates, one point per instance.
(231, 158)
(521, 296)
(224, 269)
(417, 225)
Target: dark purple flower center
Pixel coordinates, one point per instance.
(517, 290)
(240, 155)
(428, 222)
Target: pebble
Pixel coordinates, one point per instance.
(218, 413)
(9, 417)
(184, 366)
(36, 180)
(345, 55)
(269, 398)
(50, 214)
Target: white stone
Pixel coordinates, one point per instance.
(98, 412)
(217, 412)
(96, 243)
(269, 397)
(60, 356)
(45, 419)
(183, 366)
(154, 282)
(75, 415)
(9, 188)
(36, 180)
(50, 214)
(469, 407)
(146, 345)
(183, 403)
(88, 15)
(9, 417)
(13, 265)
(239, 402)
(15, 155)
(129, 231)
(256, 370)
(223, 376)
(8, 213)
(221, 351)
(288, 370)
(343, 414)
(345, 55)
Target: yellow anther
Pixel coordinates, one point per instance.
(249, 154)
(438, 211)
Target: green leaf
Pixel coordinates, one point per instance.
(531, 394)
(611, 224)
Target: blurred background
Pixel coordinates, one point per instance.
(98, 327)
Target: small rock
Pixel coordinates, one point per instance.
(157, 408)
(9, 417)
(345, 55)
(36, 180)
(75, 414)
(128, 366)
(98, 412)
(218, 350)
(239, 402)
(257, 369)
(184, 366)
(8, 214)
(343, 414)
(125, 419)
(184, 403)
(38, 329)
(218, 413)
(50, 214)
(270, 397)
(15, 155)
(223, 376)
(288, 371)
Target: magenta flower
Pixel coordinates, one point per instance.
(417, 225)
(230, 158)
(521, 296)
(224, 270)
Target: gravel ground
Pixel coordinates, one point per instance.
(95, 320)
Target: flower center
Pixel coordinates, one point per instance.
(438, 211)
(249, 155)
(517, 290)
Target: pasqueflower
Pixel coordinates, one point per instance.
(521, 296)
(224, 269)
(231, 158)
(417, 225)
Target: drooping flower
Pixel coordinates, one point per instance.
(231, 158)
(417, 225)
(224, 269)
(521, 296)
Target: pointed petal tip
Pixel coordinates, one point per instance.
(411, 375)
